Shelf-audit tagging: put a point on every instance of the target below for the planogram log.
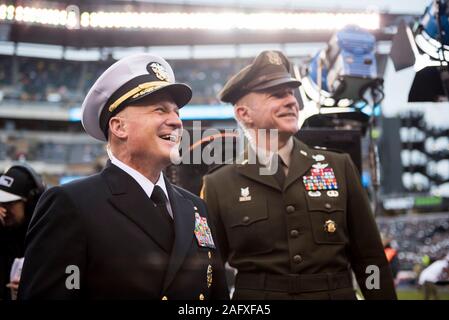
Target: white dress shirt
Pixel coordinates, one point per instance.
(143, 181)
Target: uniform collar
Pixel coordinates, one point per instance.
(265, 157)
(143, 181)
(300, 161)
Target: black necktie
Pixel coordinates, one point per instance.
(160, 201)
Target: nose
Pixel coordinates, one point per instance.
(174, 120)
(291, 101)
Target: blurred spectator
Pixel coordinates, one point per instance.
(436, 273)
(20, 189)
(392, 256)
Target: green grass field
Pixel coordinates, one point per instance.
(410, 294)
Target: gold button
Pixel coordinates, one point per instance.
(245, 219)
(164, 298)
(290, 209)
(330, 226)
(201, 297)
(209, 255)
(195, 208)
(327, 206)
(294, 233)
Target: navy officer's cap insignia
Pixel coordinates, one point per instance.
(158, 70)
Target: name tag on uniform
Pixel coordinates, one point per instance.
(202, 232)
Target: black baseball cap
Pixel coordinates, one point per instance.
(15, 184)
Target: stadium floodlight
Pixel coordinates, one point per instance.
(341, 74)
(425, 46)
(126, 19)
(229, 20)
(31, 15)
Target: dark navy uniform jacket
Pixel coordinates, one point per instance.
(108, 228)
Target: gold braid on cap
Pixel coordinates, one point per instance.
(146, 87)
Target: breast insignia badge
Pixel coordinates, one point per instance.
(244, 195)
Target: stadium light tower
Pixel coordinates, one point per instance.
(343, 76)
(425, 46)
(341, 80)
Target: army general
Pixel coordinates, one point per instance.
(299, 232)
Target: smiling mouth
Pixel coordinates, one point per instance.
(170, 137)
(284, 115)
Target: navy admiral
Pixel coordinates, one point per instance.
(299, 232)
(126, 233)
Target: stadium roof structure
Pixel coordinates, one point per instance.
(103, 24)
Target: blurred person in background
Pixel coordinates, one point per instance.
(435, 274)
(392, 256)
(20, 189)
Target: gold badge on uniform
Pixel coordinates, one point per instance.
(159, 71)
(209, 276)
(244, 194)
(330, 226)
(274, 58)
(318, 157)
(202, 232)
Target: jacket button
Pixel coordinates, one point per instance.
(245, 219)
(164, 298)
(327, 206)
(290, 209)
(201, 297)
(297, 258)
(294, 233)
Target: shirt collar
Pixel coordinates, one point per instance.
(143, 181)
(266, 157)
(286, 151)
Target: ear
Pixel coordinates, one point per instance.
(117, 127)
(243, 113)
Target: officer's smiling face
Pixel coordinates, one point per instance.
(276, 108)
(153, 128)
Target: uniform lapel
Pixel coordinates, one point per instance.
(184, 220)
(252, 171)
(300, 162)
(129, 199)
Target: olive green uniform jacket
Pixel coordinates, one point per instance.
(286, 243)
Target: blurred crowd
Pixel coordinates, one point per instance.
(66, 82)
(420, 240)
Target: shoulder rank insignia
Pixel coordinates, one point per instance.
(320, 178)
(202, 232)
